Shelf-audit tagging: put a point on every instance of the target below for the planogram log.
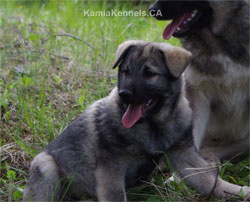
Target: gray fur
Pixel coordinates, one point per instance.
(222, 74)
(218, 82)
(95, 154)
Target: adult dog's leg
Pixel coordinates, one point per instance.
(110, 183)
(201, 114)
(43, 183)
(199, 174)
(232, 151)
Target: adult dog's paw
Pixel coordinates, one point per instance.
(245, 191)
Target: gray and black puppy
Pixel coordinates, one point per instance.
(116, 141)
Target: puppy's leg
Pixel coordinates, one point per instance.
(199, 174)
(43, 182)
(110, 184)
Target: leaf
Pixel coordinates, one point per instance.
(11, 174)
(26, 81)
(17, 195)
(2, 192)
(80, 100)
(25, 33)
(2, 21)
(34, 37)
(7, 115)
(4, 181)
(234, 180)
(241, 192)
(153, 199)
(168, 163)
(57, 79)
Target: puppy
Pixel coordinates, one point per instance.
(116, 141)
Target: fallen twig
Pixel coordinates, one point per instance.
(73, 37)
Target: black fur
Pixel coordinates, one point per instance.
(232, 39)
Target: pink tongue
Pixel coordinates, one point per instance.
(132, 115)
(170, 29)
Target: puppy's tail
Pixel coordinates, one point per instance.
(44, 182)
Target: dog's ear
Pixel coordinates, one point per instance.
(177, 59)
(123, 50)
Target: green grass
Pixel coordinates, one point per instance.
(55, 62)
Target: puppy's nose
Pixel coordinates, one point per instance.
(125, 94)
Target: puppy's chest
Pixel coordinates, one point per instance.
(148, 139)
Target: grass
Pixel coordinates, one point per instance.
(55, 62)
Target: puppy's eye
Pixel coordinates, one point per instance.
(149, 74)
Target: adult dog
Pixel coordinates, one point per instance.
(217, 34)
(116, 141)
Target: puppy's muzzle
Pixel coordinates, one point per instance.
(125, 94)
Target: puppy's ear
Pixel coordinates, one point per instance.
(123, 50)
(177, 59)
